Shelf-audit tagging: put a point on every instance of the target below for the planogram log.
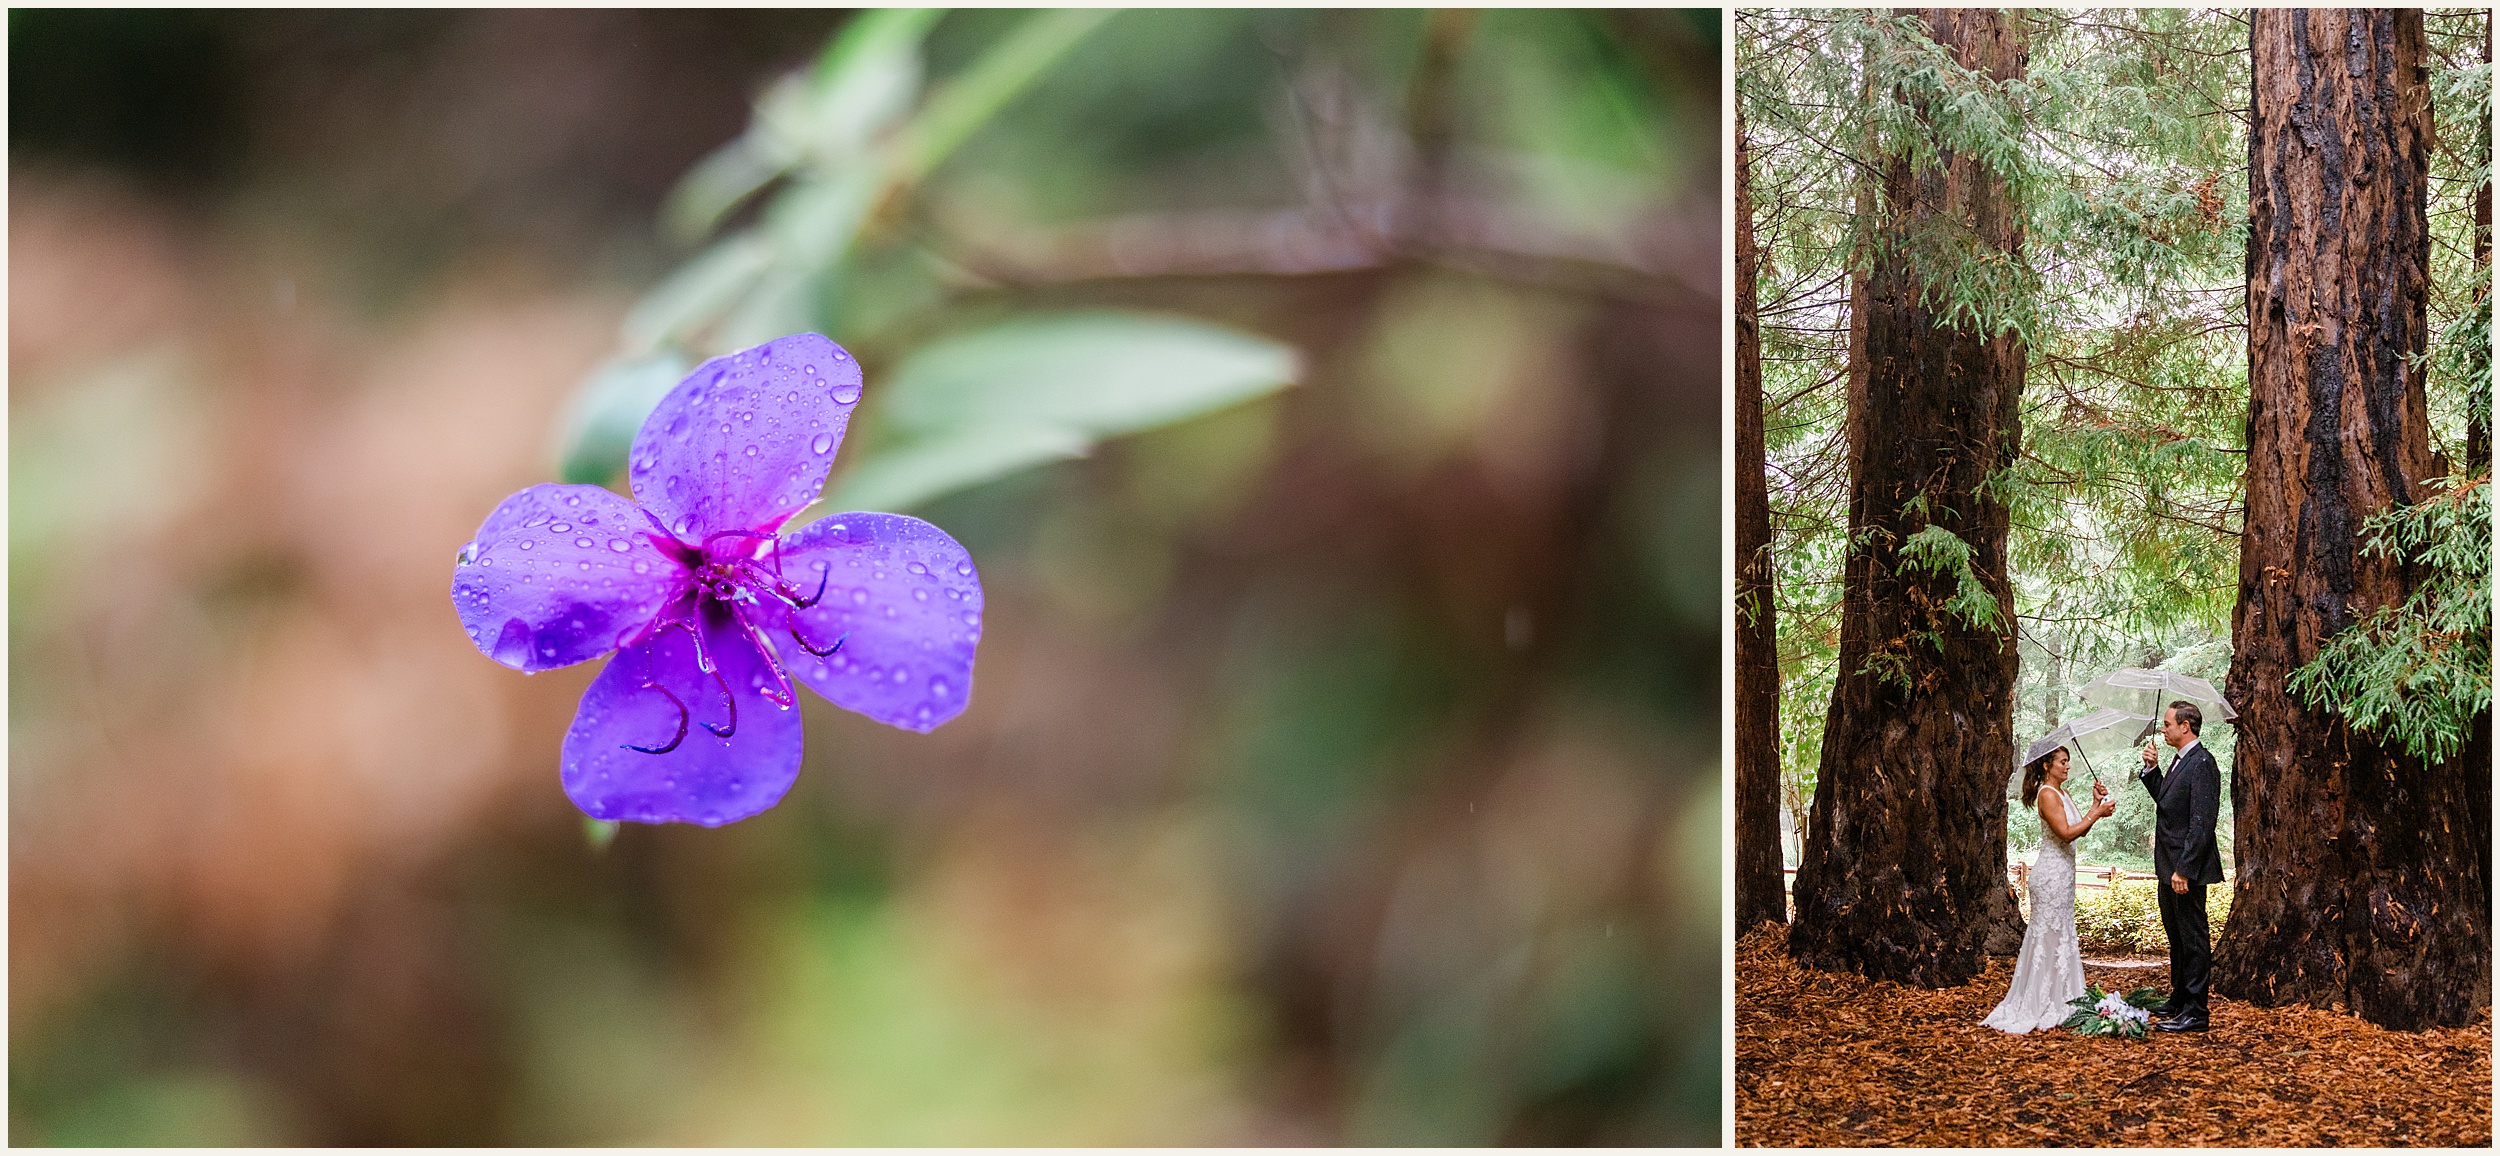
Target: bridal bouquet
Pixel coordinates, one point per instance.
(2100, 1013)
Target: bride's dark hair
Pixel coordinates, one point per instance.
(2035, 773)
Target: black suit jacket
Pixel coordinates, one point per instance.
(2185, 804)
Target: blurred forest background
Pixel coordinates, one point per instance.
(1342, 765)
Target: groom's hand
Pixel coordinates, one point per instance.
(2178, 883)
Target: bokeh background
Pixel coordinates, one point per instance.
(1342, 766)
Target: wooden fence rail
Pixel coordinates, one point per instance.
(2086, 875)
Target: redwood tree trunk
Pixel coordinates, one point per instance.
(1903, 876)
(1760, 896)
(2360, 871)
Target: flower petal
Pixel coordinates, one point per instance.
(905, 602)
(704, 779)
(559, 575)
(744, 441)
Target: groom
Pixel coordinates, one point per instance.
(2186, 859)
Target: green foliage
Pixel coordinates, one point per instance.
(969, 408)
(1937, 550)
(2458, 363)
(2126, 919)
(2417, 675)
(839, 153)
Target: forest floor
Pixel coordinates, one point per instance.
(1828, 1059)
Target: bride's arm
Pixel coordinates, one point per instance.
(2053, 815)
(2091, 815)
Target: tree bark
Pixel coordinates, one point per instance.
(1903, 876)
(2360, 879)
(1760, 896)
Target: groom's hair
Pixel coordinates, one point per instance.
(2187, 713)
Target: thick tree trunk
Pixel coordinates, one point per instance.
(2360, 880)
(1903, 876)
(1760, 896)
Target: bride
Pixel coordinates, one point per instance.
(2049, 971)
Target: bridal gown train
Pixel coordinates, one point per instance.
(2049, 971)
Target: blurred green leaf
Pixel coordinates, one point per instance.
(607, 411)
(973, 97)
(698, 292)
(905, 476)
(866, 80)
(813, 224)
(979, 405)
(1100, 373)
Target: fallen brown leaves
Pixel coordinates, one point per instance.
(1825, 1059)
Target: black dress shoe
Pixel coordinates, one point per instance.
(2184, 1023)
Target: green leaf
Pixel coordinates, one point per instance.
(1101, 374)
(606, 412)
(867, 79)
(979, 92)
(905, 476)
(698, 292)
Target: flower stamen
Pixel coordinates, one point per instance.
(683, 714)
(801, 639)
(703, 662)
(789, 696)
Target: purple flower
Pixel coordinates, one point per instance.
(710, 608)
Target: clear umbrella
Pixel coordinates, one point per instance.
(2143, 693)
(2072, 734)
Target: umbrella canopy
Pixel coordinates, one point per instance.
(2072, 733)
(2143, 693)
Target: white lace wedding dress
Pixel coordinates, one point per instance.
(2049, 971)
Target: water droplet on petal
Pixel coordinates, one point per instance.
(527, 544)
(581, 543)
(917, 568)
(753, 451)
(573, 500)
(468, 553)
(920, 595)
(642, 567)
(845, 395)
(964, 568)
(901, 676)
(620, 545)
(937, 686)
(823, 445)
(859, 598)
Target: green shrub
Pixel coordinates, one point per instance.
(2126, 919)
